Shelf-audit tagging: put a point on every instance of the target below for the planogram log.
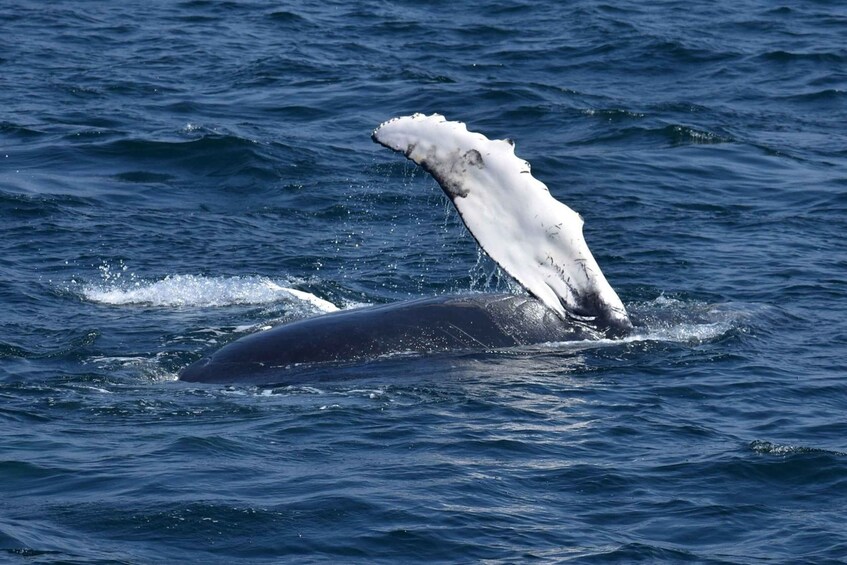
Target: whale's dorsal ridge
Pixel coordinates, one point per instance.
(532, 236)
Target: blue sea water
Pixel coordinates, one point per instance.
(166, 168)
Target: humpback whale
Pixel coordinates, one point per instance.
(533, 237)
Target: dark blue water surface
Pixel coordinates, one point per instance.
(168, 169)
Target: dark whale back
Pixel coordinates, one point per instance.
(445, 323)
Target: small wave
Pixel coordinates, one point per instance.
(768, 448)
(687, 333)
(194, 150)
(826, 95)
(18, 130)
(671, 135)
(200, 291)
(612, 114)
(673, 320)
(142, 177)
(780, 56)
(685, 135)
(286, 17)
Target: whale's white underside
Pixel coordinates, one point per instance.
(531, 235)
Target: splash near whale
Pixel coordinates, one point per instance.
(514, 219)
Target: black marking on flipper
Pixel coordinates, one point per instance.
(474, 159)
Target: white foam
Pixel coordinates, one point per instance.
(686, 332)
(199, 291)
(673, 320)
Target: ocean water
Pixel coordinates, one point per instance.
(171, 171)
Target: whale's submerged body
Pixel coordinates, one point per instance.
(427, 325)
(532, 236)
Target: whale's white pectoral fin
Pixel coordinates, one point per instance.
(531, 235)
